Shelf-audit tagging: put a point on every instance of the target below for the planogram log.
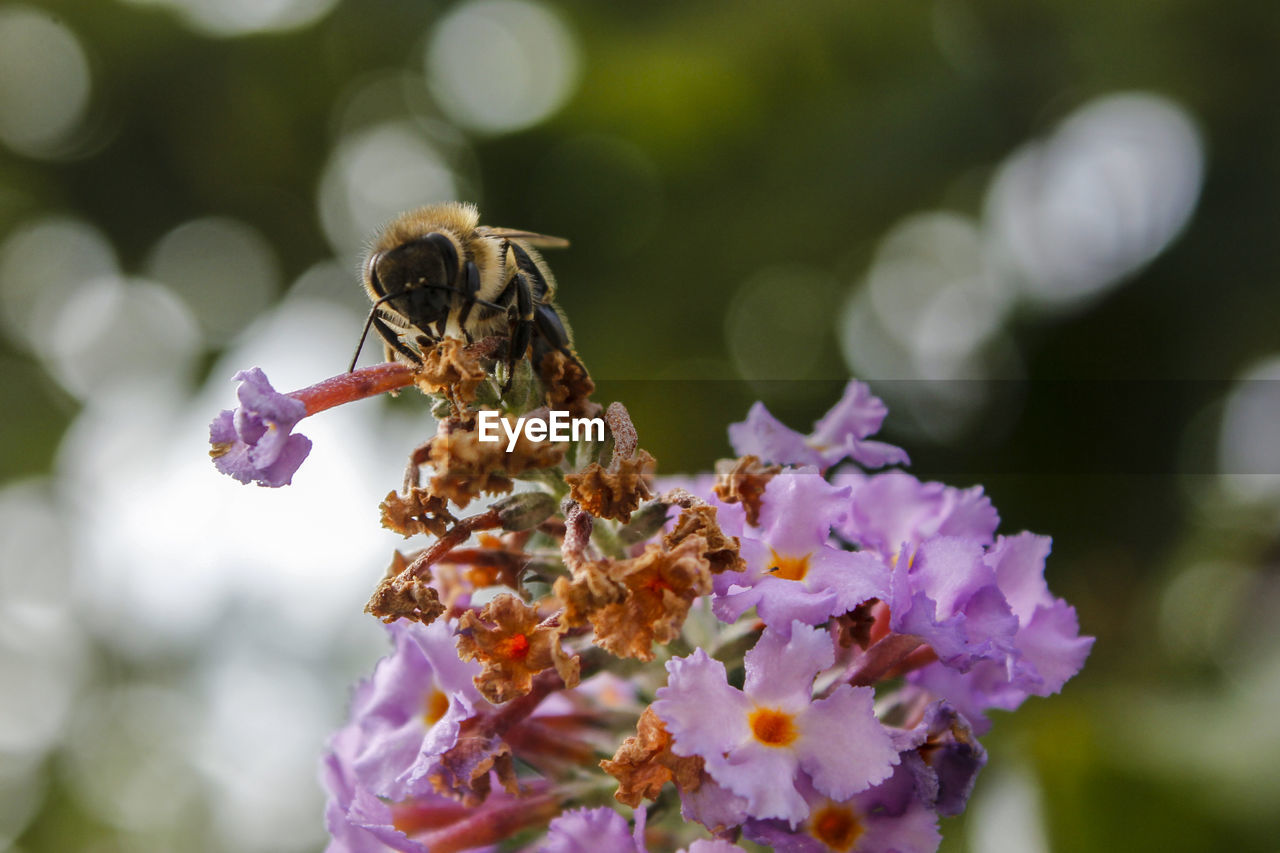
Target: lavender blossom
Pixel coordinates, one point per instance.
(840, 434)
(943, 757)
(598, 830)
(793, 573)
(409, 712)
(888, 818)
(889, 510)
(1045, 649)
(358, 822)
(758, 742)
(254, 442)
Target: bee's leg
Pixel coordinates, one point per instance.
(522, 319)
(537, 284)
(551, 328)
(470, 287)
(551, 335)
(393, 341)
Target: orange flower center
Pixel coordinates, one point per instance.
(514, 647)
(789, 568)
(835, 826)
(657, 585)
(772, 728)
(435, 707)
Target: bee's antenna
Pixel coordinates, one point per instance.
(373, 311)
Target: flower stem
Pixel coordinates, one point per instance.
(882, 657)
(356, 385)
(491, 824)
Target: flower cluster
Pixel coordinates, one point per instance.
(799, 651)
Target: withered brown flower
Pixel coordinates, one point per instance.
(465, 467)
(614, 492)
(567, 385)
(512, 645)
(453, 369)
(660, 585)
(644, 763)
(419, 511)
(402, 595)
(721, 550)
(744, 480)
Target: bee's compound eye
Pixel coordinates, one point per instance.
(371, 273)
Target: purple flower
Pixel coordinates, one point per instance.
(712, 845)
(358, 821)
(840, 434)
(888, 818)
(943, 757)
(893, 509)
(254, 443)
(712, 805)
(946, 594)
(598, 830)
(1041, 653)
(410, 711)
(792, 572)
(759, 741)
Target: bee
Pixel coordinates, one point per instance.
(436, 272)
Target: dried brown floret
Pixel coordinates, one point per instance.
(453, 369)
(614, 492)
(463, 771)
(401, 595)
(644, 763)
(590, 589)
(465, 467)
(722, 551)
(568, 387)
(419, 511)
(744, 480)
(854, 628)
(512, 646)
(661, 585)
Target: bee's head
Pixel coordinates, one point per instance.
(420, 276)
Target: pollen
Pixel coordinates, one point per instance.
(436, 705)
(772, 728)
(515, 647)
(789, 568)
(835, 826)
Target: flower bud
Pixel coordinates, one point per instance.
(524, 510)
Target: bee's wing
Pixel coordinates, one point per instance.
(542, 241)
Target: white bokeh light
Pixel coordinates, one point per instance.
(932, 314)
(501, 65)
(1070, 216)
(44, 81)
(224, 269)
(932, 292)
(375, 174)
(127, 756)
(1248, 449)
(1006, 816)
(230, 18)
(42, 661)
(267, 725)
(118, 333)
(42, 262)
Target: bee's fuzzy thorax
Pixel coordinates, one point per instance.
(454, 216)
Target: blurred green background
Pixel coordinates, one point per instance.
(1043, 230)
